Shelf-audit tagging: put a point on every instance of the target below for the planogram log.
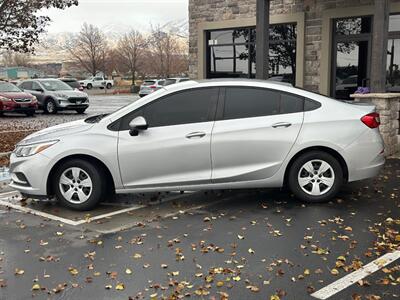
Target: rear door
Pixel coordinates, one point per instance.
(254, 132)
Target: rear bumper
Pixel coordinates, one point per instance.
(365, 156)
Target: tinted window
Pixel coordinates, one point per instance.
(245, 102)
(26, 85)
(148, 82)
(192, 106)
(311, 105)
(291, 104)
(35, 86)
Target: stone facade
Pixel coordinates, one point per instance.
(221, 10)
(388, 106)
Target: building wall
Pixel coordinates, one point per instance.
(316, 54)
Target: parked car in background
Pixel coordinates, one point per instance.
(170, 81)
(54, 95)
(97, 82)
(218, 134)
(72, 82)
(150, 86)
(13, 99)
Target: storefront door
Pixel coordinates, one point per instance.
(351, 56)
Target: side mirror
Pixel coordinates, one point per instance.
(136, 125)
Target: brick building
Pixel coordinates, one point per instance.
(321, 45)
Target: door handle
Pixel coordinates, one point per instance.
(282, 124)
(194, 135)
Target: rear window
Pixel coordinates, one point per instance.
(73, 84)
(170, 81)
(148, 82)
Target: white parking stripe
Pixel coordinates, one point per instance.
(354, 277)
(39, 213)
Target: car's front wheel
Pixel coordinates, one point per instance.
(78, 184)
(315, 176)
(50, 107)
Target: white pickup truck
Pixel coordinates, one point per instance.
(97, 82)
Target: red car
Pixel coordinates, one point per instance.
(13, 99)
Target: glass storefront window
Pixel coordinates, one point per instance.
(232, 53)
(356, 25)
(393, 55)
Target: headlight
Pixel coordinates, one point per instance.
(4, 99)
(32, 149)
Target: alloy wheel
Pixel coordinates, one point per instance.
(50, 107)
(75, 185)
(316, 177)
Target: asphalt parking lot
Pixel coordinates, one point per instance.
(210, 245)
(244, 244)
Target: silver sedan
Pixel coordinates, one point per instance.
(218, 134)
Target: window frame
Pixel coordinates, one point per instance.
(221, 105)
(116, 125)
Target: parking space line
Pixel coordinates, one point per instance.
(39, 213)
(354, 277)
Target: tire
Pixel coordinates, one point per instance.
(109, 86)
(323, 185)
(50, 107)
(68, 190)
(81, 110)
(89, 86)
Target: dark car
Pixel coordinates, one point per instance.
(72, 82)
(13, 99)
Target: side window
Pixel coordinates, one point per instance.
(291, 104)
(27, 85)
(191, 106)
(311, 105)
(35, 86)
(247, 102)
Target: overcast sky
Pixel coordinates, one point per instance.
(117, 14)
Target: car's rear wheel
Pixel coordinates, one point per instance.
(89, 86)
(315, 176)
(50, 107)
(109, 86)
(78, 184)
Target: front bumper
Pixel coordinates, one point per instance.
(66, 104)
(29, 174)
(19, 108)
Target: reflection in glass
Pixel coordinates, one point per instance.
(351, 69)
(229, 61)
(394, 23)
(355, 25)
(393, 63)
(232, 53)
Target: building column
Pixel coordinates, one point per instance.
(379, 46)
(262, 39)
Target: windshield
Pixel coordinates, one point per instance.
(6, 87)
(55, 85)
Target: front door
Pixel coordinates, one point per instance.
(254, 134)
(175, 149)
(351, 56)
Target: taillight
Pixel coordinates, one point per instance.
(153, 87)
(372, 120)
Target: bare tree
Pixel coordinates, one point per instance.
(21, 23)
(16, 59)
(169, 52)
(89, 49)
(131, 48)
